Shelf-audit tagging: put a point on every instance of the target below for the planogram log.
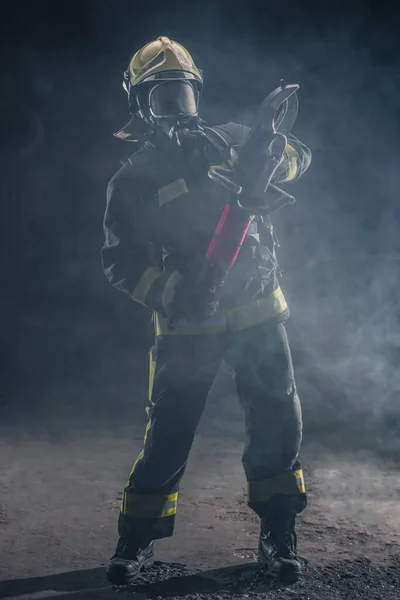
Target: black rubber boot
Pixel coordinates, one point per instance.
(128, 561)
(277, 550)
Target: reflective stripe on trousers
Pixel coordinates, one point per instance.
(289, 483)
(150, 506)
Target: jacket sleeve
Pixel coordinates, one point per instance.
(131, 261)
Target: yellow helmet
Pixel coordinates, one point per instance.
(158, 57)
(160, 60)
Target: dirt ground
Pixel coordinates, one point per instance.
(59, 506)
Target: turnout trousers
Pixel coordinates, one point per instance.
(182, 371)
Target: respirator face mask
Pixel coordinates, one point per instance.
(173, 100)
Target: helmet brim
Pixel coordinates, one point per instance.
(133, 131)
(171, 75)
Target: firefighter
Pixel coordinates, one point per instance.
(161, 213)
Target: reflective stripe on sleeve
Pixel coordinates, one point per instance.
(144, 284)
(169, 289)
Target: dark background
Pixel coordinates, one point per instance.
(73, 346)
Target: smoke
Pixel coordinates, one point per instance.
(340, 249)
(339, 243)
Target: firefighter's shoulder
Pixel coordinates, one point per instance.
(131, 175)
(134, 166)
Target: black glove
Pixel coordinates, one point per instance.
(194, 301)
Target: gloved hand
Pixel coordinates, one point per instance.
(193, 301)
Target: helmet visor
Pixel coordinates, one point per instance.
(172, 99)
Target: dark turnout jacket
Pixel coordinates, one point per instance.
(162, 210)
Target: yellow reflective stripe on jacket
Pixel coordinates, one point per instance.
(235, 319)
(149, 506)
(171, 191)
(184, 327)
(292, 160)
(257, 311)
(288, 483)
(144, 284)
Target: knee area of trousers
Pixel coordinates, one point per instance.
(283, 414)
(290, 408)
(177, 411)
